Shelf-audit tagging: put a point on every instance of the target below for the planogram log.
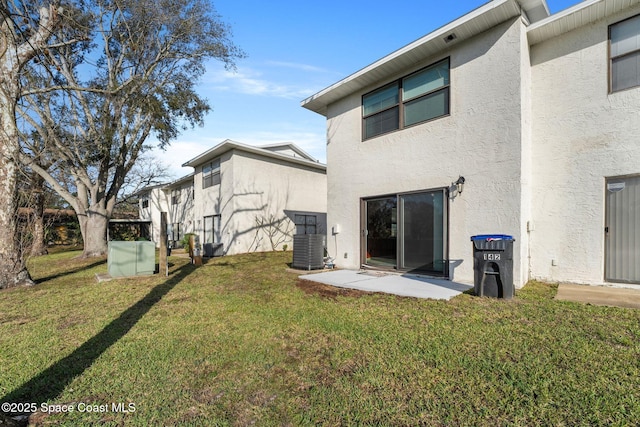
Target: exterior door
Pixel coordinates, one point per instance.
(407, 232)
(381, 231)
(622, 230)
(212, 229)
(423, 237)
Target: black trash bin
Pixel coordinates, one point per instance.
(493, 265)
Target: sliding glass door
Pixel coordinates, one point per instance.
(381, 232)
(407, 232)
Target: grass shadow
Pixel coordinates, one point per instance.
(73, 271)
(51, 382)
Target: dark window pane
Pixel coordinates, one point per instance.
(625, 72)
(423, 242)
(379, 100)
(427, 107)
(625, 36)
(425, 81)
(215, 179)
(383, 122)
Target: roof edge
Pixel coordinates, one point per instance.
(229, 144)
(315, 102)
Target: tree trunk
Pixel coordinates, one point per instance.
(38, 245)
(13, 271)
(93, 226)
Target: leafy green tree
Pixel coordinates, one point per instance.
(133, 78)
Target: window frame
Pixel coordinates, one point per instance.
(401, 103)
(212, 176)
(176, 232)
(176, 196)
(611, 58)
(304, 220)
(214, 233)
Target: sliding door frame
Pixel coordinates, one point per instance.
(400, 229)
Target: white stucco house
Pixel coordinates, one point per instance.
(539, 113)
(242, 198)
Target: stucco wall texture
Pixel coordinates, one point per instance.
(432, 155)
(582, 135)
(254, 188)
(535, 133)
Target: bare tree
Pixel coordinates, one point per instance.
(147, 171)
(136, 79)
(27, 29)
(278, 230)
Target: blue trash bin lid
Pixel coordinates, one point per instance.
(490, 237)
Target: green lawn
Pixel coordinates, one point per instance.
(239, 341)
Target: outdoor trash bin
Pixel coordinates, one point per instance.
(493, 265)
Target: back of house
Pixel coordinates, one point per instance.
(507, 120)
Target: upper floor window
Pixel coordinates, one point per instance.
(211, 173)
(175, 197)
(416, 98)
(144, 202)
(624, 39)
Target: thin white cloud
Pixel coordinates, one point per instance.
(251, 82)
(297, 66)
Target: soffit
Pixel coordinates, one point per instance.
(468, 26)
(582, 14)
(535, 9)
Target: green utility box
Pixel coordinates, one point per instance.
(126, 259)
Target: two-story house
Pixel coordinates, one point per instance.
(242, 198)
(507, 120)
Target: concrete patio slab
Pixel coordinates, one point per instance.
(407, 285)
(599, 295)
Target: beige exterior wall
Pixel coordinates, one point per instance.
(160, 201)
(157, 203)
(582, 135)
(182, 212)
(267, 194)
(256, 200)
(214, 200)
(480, 140)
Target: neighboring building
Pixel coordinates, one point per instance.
(541, 116)
(243, 197)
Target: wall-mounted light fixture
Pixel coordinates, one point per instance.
(460, 184)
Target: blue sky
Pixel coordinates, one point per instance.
(294, 49)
